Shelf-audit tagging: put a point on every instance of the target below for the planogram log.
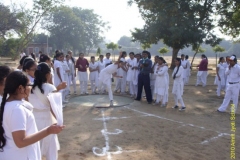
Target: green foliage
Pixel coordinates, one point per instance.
(9, 47)
(98, 51)
(179, 23)
(163, 50)
(145, 46)
(218, 48)
(75, 28)
(112, 46)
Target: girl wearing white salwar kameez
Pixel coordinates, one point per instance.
(71, 73)
(59, 75)
(178, 84)
(105, 77)
(135, 74)
(161, 83)
(42, 110)
(93, 76)
(184, 65)
(101, 66)
(153, 76)
(187, 70)
(220, 80)
(130, 73)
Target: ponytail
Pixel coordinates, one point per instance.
(40, 76)
(179, 60)
(2, 138)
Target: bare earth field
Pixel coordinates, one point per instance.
(139, 131)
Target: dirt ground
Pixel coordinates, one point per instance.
(139, 131)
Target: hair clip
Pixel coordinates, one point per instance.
(39, 68)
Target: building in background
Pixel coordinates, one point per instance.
(36, 47)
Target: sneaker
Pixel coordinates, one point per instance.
(163, 105)
(182, 109)
(155, 104)
(175, 107)
(111, 103)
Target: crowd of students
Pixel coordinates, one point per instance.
(28, 124)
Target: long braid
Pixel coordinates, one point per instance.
(2, 138)
(179, 60)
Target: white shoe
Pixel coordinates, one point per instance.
(155, 104)
(111, 103)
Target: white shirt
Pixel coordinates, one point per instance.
(58, 64)
(179, 75)
(22, 54)
(183, 63)
(107, 61)
(101, 65)
(233, 74)
(18, 116)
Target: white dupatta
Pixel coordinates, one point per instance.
(53, 100)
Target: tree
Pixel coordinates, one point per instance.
(197, 49)
(163, 50)
(98, 51)
(112, 46)
(145, 46)
(218, 49)
(75, 28)
(179, 23)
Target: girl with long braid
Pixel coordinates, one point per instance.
(19, 135)
(42, 110)
(178, 84)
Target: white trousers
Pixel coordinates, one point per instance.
(131, 88)
(135, 89)
(202, 78)
(219, 88)
(83, 78)
(108, 84)
(94, 85)
(232, 92)
(64, 93)
(72, 81)
(121, 84)
(159, 98)
(177, 98)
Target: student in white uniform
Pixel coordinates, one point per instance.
(101, 66)
(161, 82)
(66, 77)
(29, 68)
(184, 65)
(232, 91)
(21, 62)
(220, 76)
(72, 60)
(153, 76)
(178, 84)
(19, 135)
(71, 73)
(130, 73)
(42, 111)
(135, 74)
(4, 72)
(106, 75)
(226, 65)
(59, 75)
(93, 76)
(45, 58)
(107, 60)
(187, 70)
(122, 72)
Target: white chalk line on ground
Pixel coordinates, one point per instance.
(183, 124)
(105, 150)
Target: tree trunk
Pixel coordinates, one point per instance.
(194, 57)
(174, 56)
(216, 59)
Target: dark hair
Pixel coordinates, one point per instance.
(235, 59)
(27, 60)
(131, 53)
(148, 53)
(4, 72)
(108, 53)
(13, 81)
(22, 59)
(44, 58)
(179, 60)
(124, 53)
(40, 52)
(28, 65)
(33, 56)
(182, 55)
(162, 59)
(81, 54)
(57, 51)
(100, 55)
(40, 76)
(186, 57)
(67, 55)
(59, 55)
(220, 59)
(204, 56)
(92, 57)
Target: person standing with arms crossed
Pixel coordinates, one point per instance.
(145, 66)
(82, 65)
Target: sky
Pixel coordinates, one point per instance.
(121, 17)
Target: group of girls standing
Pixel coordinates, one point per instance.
(27, 122)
